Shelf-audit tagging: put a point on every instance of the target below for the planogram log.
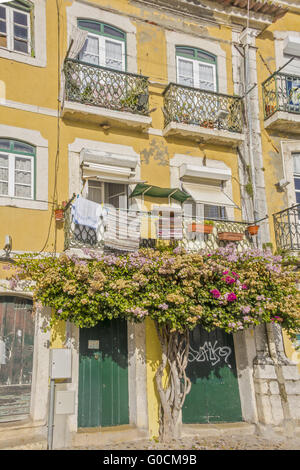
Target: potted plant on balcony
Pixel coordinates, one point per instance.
(206, 227)
(253, 229)
(231, 236)
(135, 100)
(208, 124)
(59, 212)
(269, 109)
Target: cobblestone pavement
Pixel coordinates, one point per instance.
(251, 442)
(234, 442)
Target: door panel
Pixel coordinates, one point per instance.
(16, 357)
(103, 375)
(214, 395)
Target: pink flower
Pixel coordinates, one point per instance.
(244, 287)
(229, 280)
(225, 272)
(216, 293)
(231, 297)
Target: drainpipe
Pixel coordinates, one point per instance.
(249, 122)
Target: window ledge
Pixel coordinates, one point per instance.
(284, 121)
(89, 113)
(195, 132)
(24, 58)
(23, 203)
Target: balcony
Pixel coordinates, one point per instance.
(287, 228)
(129, 230)
(203, 115)
(281, 101)
(104, 96)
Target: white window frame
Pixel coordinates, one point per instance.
(102, 50)
(10, 29)
(296, 175)
(196, 73)
(11, 175)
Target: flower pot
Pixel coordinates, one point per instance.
(269, 109)
(200, 228)
(253, 229)
(59, 214)
(231, 236)
(208, 124)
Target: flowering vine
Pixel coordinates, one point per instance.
(218, 289)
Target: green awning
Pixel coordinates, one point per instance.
(142, 189)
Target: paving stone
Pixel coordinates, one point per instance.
(231, 442)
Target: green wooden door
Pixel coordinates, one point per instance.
(103, 375)
(214, 395)
(16, 357)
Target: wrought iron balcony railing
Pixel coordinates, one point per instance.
(281, 92)
(287, 228)
(203, 108)
(129, 230)
(99, 86)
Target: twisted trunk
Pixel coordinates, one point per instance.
(172, 383)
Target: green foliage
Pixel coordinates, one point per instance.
(249, 189)
(218, 289)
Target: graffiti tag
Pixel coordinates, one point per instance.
(210, 353)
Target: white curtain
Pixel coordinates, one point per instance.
(23, 177)
(3, 174)
(206, 77)
(113, 55)
(90, 51)
(185, 72)
(78, 38)
(296, 158)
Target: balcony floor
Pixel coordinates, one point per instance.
(194, 132)
(96, 115)
(284, 121)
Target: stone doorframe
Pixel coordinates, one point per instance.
(137, 379)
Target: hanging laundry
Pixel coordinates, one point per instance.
(88, 213)
(123, 229)
(169, 226)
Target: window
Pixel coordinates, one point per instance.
(113, 194)
(206, 211)
(105, 45)
(16, 169)
(196, 68)
(15, 32)
(296, 158)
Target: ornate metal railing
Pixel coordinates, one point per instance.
(129, 230)
(281, 92)
(287, 228)
(203, 108)
(107, 88)
(218, 234)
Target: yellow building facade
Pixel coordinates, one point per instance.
(103, 100)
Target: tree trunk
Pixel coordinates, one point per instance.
(172, 383)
